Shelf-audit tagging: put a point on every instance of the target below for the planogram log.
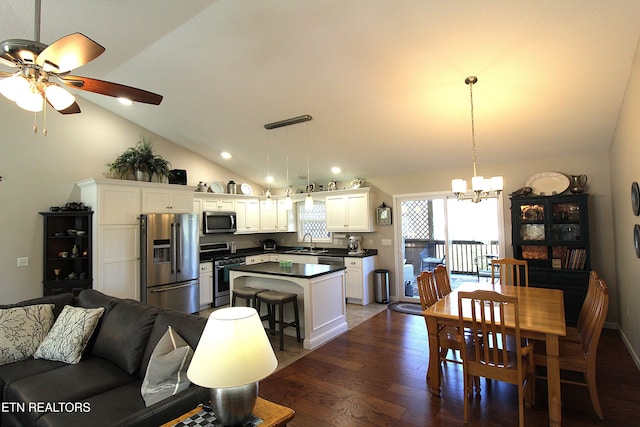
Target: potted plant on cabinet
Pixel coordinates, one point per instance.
(141, 162)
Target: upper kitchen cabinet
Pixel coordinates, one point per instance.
(247, 216)
(167, 200)
(350, 211)
(277, 218)
(218, 204)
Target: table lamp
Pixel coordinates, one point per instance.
(233, 354)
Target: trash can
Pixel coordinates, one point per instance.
(381, 286)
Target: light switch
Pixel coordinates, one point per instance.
(386, 242)
(23, 261)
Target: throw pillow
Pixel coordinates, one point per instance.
(69, 335)
(167, 370)
(22, 329)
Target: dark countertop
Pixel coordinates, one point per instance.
(304, 271)
(283, 250)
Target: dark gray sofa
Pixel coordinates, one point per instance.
(103, 389)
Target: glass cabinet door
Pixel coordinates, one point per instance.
(532, 226)
(565, 225)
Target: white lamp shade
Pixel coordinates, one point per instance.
(288, 203)
(497, 183)
(308, 202)
(477, 183)
(14, 86)
(30, 101)
(59, 97)
(459, 186)
(234, 350)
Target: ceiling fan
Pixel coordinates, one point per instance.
(42, 67)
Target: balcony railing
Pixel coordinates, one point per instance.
(462, 254)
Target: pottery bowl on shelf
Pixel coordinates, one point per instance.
(72, 232)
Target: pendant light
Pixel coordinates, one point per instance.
(268, 203)
(482, 188)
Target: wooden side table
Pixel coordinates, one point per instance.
(274, 415)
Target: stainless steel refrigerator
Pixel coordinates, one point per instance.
(169, 261)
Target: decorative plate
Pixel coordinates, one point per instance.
(246, 189)
(333, 185)
(548, 183)
(636, 239)
(635, 198)
(216, 187)
(356, 183)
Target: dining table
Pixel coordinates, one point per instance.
(541, 312)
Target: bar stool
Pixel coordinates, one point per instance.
(273, 299)
(248, 293)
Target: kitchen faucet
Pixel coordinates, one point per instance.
(310, 240)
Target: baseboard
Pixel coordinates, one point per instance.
(627, 344)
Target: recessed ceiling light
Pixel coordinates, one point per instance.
(336, 169)
(225, 155)
(269, 178)
(125, 101)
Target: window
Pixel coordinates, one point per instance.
(314, 222)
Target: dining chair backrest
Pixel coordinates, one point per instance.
(511, 271)
(427, 289)
(592, 326)
(442, 280)
(587, 305)
(488, 329)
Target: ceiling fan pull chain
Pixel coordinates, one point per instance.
(35, 123)
(44, 121)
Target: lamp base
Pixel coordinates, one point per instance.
(233, 405)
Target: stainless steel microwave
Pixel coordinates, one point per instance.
(217, 222)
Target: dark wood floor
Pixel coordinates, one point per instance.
(374, 375)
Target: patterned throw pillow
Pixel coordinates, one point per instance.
(167, 370)
(69, 335)
(22, 329)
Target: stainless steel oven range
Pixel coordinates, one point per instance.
(221, 278)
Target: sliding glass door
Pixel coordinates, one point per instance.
(437, 229)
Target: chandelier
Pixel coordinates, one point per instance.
(482, 188)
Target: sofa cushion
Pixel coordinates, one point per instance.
(71, 383)
(124, 406)
(59, 300)
(69, 335)
(188, 326)
(124, 332)
(25, 368)
(22, 329)
(167, 371)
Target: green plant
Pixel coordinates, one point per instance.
(140, 158)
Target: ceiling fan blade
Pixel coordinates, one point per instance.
(68, 53)
(5, 74)
(112, 89)
(72, 109)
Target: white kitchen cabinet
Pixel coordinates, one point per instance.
(218, 204)
(256, 259)
(164, 200)
(268, 216)
(350, 212)
(359, 279)
(206, 284)
(116, 248)
(286, 217)
(247, 216)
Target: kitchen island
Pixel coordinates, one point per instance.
(321, 295)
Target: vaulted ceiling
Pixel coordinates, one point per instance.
(383, 80)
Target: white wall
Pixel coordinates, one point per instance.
(625, 169)
(40, 171)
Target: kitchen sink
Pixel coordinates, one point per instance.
(306, 251)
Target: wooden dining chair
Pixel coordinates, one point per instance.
(580, 356)
(510, 271)
(573, 333)
(486, 353)
(442, 280)
(447, 335)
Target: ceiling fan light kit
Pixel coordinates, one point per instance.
(38, 64)
(482, 188)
